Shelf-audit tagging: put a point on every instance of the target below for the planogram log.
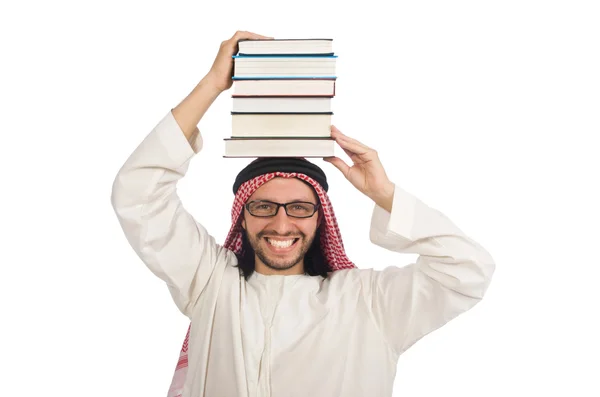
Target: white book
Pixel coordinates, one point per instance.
(279, 147)
(285, 46)
(283, 87)
(281, 125)
(284, 66)
(281, 105)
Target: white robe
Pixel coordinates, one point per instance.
(293, 336)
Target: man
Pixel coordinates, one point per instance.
(278, 309)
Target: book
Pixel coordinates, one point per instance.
(282, 99)
(281, 105)
(286, 46)
(273, 147)
(314, 87)
(281, 125)
(284, 66)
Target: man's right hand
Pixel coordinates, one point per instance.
(192, 108)
(222, 69)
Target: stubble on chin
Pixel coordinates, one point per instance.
(276, 263)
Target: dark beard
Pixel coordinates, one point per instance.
(280, 265)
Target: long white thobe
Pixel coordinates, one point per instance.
(287, 336)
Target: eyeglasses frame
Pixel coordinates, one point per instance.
(284, 205)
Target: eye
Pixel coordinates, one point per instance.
(301, 208)
(262, 207)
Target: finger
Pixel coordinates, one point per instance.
(348, 145)
(259, 36)
(354, 141)
(245, 35)
(336, 137)
(349, 153)
(336, 132)
(256, 36)
(338, 163)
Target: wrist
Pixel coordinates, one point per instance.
(385, 197)
(211, 83)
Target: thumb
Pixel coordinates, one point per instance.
(338, 163)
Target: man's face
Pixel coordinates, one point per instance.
(271, 259)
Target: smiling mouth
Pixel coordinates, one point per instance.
(281, 244)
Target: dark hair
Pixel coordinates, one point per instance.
(315, 263)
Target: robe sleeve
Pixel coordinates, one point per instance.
(450, 276)
(169, 241)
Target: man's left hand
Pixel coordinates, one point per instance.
(367, 173)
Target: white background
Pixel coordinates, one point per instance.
(487, 111)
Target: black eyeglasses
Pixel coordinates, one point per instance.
(295, 209)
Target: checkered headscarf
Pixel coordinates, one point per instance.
(331, 244)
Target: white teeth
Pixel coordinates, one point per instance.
(280, 244)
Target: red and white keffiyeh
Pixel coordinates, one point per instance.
(331, 244)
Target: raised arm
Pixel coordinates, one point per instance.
(450, 276)
(173, 245)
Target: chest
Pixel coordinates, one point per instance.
(280, 318)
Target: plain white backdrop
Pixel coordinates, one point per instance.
(487, 111)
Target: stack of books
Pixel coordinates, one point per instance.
(282, 99)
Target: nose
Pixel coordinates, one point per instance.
(281, 222)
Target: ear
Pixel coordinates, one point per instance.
(243, 220)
